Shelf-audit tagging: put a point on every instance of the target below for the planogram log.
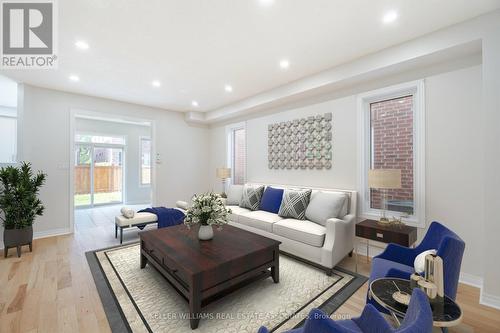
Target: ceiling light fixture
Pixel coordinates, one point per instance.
(82, 45)
(156, 83)
(390, 17)
(228, 88)
(194, 103)
(74, 78)
(284, 64)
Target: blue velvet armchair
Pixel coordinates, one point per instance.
(418, 319)
(398, 261)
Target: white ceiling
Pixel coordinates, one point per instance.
(195, 47)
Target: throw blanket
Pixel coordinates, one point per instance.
(167, 217)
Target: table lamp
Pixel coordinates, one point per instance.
(384, 179)
(223, 174)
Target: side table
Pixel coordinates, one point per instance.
(371, 230)
(446, 314)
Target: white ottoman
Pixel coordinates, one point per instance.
(139, 219)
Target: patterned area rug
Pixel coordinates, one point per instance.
(146, 302)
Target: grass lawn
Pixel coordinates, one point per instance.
(99, 198)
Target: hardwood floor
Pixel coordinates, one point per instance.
(52, 290)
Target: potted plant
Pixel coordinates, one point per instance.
(207, 210)
(19, 204)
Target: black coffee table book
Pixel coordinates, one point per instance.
(446, 314)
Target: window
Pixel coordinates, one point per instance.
(8, 121)
(392, 130)
(237, 156)
(8, 128)
(145, 161)
(391, 147)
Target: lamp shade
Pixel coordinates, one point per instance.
(223, 173)
(384, 178)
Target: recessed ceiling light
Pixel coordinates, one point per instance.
(390, 17)
(194, 103)
(74, 78)
(228, 88)
(82, 45)
(284, 64)
(156, 83)
(266, 2)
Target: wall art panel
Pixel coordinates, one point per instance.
(304, 143)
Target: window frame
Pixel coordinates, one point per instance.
(14, 116)
(141, 138)
(417, 90)
(230, 148)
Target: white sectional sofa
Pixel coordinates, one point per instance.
(323, 245)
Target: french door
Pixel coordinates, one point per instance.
(98, 174)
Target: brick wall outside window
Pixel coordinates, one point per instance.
(392, 148)
(239, 156)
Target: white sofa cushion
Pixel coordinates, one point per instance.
(138, 219)
(325, 205)
(259, 219)
(303, 231)
(236, 211)
(234, 193)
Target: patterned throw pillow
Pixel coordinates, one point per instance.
(294, 204)
(251, 197)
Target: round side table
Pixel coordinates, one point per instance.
(446, 314)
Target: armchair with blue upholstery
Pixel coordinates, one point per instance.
(398, 261)
(418, 319)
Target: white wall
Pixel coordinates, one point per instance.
(491, 161)
(46, 143)
(453, 154)
(135, 193)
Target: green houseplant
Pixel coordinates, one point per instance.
(19, 204)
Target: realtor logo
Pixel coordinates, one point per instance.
(28, 34)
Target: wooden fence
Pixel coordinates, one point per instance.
(106, 179)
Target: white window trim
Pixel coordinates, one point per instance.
(16, 141)
(229, 147)
(141, 185)
(417, 89)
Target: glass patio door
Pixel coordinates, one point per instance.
(83, 175)
(98, 175)
(108, 175)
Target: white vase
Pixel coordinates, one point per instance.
(206, 232)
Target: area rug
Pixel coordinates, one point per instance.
(141, 300)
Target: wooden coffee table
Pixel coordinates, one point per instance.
(204, 271)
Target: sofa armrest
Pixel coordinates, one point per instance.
(338, 239)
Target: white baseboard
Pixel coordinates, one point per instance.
(471, 280)
(492, 301)
(51, 233)
(45, 234)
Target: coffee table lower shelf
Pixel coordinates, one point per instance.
(190, 288)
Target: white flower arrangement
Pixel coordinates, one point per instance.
(207, 209)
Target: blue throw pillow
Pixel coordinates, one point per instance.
(271, 200)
